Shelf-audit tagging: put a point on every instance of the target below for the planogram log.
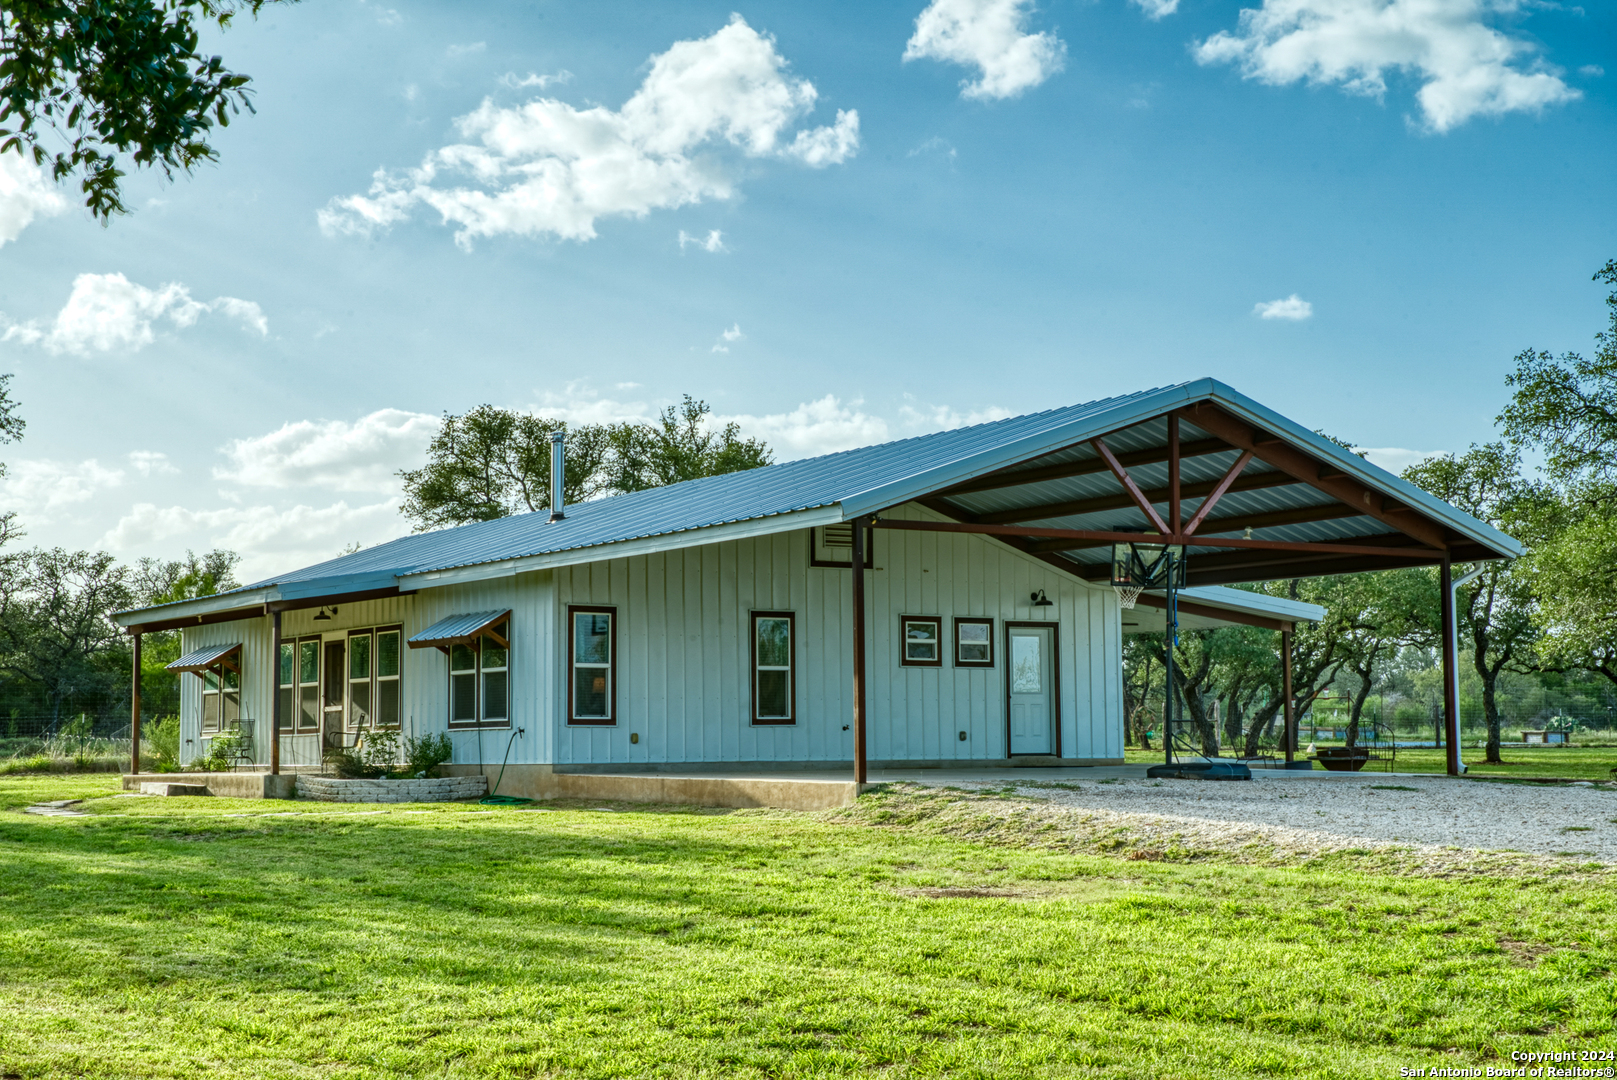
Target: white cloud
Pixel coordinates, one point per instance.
(151, 463)
(108, 311)
(713, 242)
(815, 427)
(936, 145)
(945, 417)
(270, 540)
(1466, 67)
(523, 82)
(455, 52)
(547, 167)
(1293, 308)
(990, 35)
(361, 456)
(1157, 9)
(728, 338)
(1594, 71)
(1396, 459)
(39, 490)
(25, 194)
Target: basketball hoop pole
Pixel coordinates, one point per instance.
(1172, 639)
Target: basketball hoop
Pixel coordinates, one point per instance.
(1143, 565)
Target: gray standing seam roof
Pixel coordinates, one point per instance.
(859, 481)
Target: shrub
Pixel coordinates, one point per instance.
(221, 754)
(380, 750)
(348, 765)
(423, 756)
(164, 737)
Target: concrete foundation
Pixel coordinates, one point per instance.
(231, 785)
(735, 790)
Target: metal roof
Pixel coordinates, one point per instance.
(842, 486)
(203, 658)
(457, 628)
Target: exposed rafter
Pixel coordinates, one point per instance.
(1088, 466)
(1137, 496)
(1094, 504)
(1310, 470)
(1233, 523)
(1353, 548)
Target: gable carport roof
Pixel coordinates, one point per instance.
(1039, 482)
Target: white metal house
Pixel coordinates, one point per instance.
(724, 621)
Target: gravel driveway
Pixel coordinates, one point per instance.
(1319, 815)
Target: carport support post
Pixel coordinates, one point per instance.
(1290, 736)
(1451, 690)
(275, 693)
(134, 712)
(859, 526)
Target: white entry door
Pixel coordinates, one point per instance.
(1032, 691)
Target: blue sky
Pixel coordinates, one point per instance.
(1041, 205)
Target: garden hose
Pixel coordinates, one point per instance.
(493, 798)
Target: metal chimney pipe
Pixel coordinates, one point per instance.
(558, 473)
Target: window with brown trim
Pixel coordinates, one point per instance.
(374, 677)
(221, 697)
(480, 678)
(920, 641)
(974, 642)
(592, 665)
(774, 667)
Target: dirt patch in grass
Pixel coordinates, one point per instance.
(962, 893)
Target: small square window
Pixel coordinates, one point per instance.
(974, 643)
(921, 642)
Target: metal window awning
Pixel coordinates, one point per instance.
(207, 658)
(461, 630)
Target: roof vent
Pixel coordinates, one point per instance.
(558, 473)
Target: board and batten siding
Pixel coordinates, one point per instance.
(425, 701)
(684, 680)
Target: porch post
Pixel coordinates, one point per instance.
(1451, 690)
(1290, 736)
(859, 525)
(275, 693)
(134, 712)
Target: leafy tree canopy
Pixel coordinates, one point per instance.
(93, 84)
(1567, 406)
(490, 462)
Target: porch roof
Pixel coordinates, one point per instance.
(1209, 607)
(457, 629)
(1033, 480)
(202, 659)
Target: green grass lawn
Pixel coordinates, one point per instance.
(225, 938)
(1562, 762)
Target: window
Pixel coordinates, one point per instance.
(309, 684)
(592, 658)
(373, 677)
(221, 695)
(774, 677)
(359, 679)
(286, 685)
(389, 666)
(922, 644)
(974, 643)
(479, 677)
